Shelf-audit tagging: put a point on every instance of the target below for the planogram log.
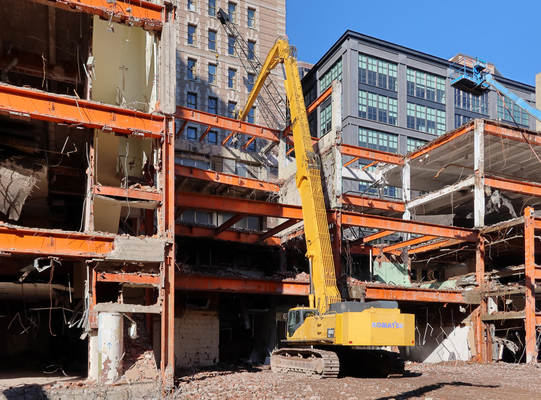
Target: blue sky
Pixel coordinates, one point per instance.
(506, 33)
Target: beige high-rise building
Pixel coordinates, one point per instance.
(211, 76)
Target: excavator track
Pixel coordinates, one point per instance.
(321, 363)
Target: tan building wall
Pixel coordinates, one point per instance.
(269, 25)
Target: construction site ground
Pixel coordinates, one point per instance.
(450, 380)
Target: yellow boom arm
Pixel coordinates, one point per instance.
(308, 178)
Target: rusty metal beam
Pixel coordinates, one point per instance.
(397, 293)
(23, 103)
(29, 241)
(229, 223)
(529, 271)
(137, 279)
(442, 140)
(408, 243)
(127, 193)
(234, 205)
(372, 202)
(415, 227)
(527, 188)
(133, 12)
(231, 236)
(240, 285)
(370, 238)
(277, 229)
(369, 154)
(230, 124)
(512, 134)
(435, 246)
(226, 179)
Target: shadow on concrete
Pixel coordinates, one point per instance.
(429, 388)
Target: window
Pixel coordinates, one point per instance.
(231, 109)
(509, 111)
(309, 96)
(192, 100)
(213, 137)
(250, 82)
(213, 105)
(251, 18)
(376, 72)
(326, 119)
(191, 5)
(192, 68)
(333, 73)
(192, 35)
(376, 140)
(426, 86)
(461, 119)
(192, 133)
(426, 119)
(212, 40)
(251, 116)
(212, 8)
(232, 78)
(378, 108)
(232, 9)
(212, 74)
(414, 143)
(470, 102)
(231, 46)
(251, 50)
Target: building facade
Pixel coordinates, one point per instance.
(396, 99)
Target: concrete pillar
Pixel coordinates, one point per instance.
(111, 346)
(93, 357)
(479, 168)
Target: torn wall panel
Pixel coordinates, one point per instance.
(18, 177)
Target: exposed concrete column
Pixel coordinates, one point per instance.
(406, 193)
(480, 327)
(538, 98)
(111, 346)
(479, 168)
(282, 156)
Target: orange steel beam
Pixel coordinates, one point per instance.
(527, 188)
(371, 238)
(21, 240)
(372, 202)
(230, 124)
(138, 279)
(204, 135)
(434, 246)
(181, 129)
(229, 223)
(407, 243)
(226, 179)
(231, 236)
(529, 271)
(376, 155)
(277, 229)
(240, 285)
(224, 142)
(23, 103)
(351, 161)
(134, 12)
(397, 293)
(127, 193)
(442, 140)
(512, 134)
(229, 204)
(415, 227)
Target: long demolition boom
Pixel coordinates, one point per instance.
(308, 178)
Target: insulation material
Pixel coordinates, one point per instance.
(18, 176)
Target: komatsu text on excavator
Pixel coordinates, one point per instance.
(330, 334)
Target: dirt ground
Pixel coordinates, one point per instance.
(451, 380)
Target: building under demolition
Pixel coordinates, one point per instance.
(142, 226)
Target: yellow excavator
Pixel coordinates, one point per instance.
(330, 334)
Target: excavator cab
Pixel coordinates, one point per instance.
(296, 317)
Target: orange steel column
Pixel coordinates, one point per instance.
(167, 230)
(480, 333)
(529, 267)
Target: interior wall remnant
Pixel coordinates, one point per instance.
(106, 159)
(106, 215)
(121, 73)
(18, 178)
(438, 344)
(197, 336)
(388, 272)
